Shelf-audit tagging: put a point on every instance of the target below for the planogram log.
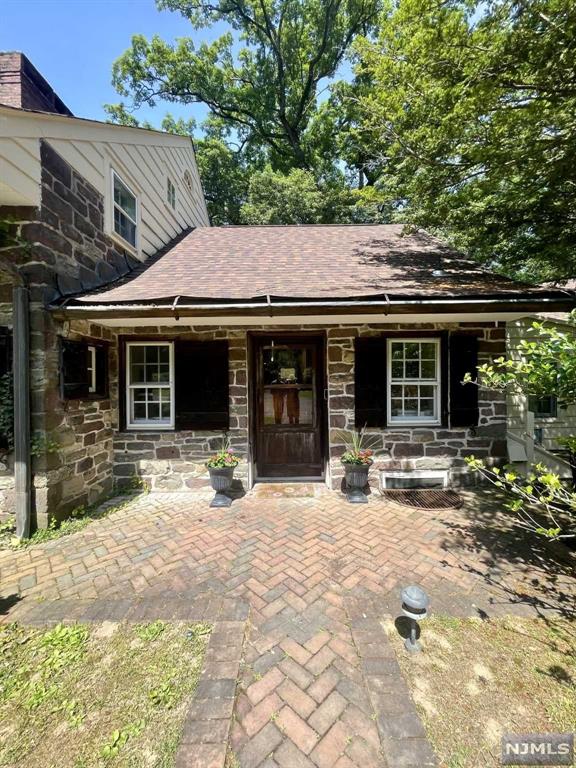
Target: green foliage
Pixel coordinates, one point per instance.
(40, 445)
(359, 445)
(262, 76)
(150, 632)
(543, 366)
(466, 111)
(163, 695)
(119, 738)
(79, 519)
(224, 457)
(541, 502)
(7, 411)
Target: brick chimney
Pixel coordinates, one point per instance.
(22, 86)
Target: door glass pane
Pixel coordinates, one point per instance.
(288, 406)
(287, 365)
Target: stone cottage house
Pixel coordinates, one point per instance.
(138, 334)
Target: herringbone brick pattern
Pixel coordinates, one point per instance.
(314, 576)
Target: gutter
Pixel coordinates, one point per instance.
(268, 304)
(21, 387)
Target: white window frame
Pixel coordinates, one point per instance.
(148, 425)
(170, 183)
(92, 369)
(437, 382)
(113, 205)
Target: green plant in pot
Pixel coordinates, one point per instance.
(221, 467)
(357, 460)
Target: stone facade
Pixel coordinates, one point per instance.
(67, 251)
(172, 460)
(406, 448)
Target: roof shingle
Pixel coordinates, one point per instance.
(305, 262)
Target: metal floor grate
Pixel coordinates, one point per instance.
(423, 498)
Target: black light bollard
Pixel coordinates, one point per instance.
(415, 604)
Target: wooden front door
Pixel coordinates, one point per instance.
(289, 417)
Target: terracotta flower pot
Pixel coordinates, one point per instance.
(221, 481)
(356, 481)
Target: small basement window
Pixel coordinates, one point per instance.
(171, 194)
(415, 479)
(84, 370)
(125, 211)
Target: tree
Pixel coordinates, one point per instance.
(467, 110)
(544, 366)
(262, 77)
(297, 197)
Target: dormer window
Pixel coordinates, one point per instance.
(171, 194)
(125, 211)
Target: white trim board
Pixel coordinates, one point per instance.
(252, 321)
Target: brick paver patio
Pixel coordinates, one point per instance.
(300, 671)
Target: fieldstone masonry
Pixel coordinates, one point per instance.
(79, 449)
(172, 461)
(407, 448)
(67, 251)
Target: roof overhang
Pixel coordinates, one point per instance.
(382, 307)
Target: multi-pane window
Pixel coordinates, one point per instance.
(171, 194)
(414, 380)
(150, 385)
(543, 407)
(125, 211)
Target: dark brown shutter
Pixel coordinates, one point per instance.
(101, 371)
(202, 396)
(463, 397)
(5, 350)
(370, 382)
(74, 369)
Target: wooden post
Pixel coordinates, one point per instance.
(22, 458)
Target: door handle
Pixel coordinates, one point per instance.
(326, 394)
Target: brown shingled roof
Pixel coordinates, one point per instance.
(305, 262)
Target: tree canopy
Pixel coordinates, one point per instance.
(458, 116)
(262, 76)
(469, 119)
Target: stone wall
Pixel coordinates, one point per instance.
(173, 461)
(67, 252)
(405, 448)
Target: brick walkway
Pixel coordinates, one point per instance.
(298, 588)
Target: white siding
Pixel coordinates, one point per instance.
(19, 171)
(552, 428)
(145, 159)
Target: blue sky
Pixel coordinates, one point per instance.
(74, 43)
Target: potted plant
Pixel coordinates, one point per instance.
(221, 468)
(356, 460)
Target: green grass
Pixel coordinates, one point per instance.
(476, 680)
(82, 696)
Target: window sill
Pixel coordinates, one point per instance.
(89, 398)
(149, 428)
(402, 424)
(119, 240)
